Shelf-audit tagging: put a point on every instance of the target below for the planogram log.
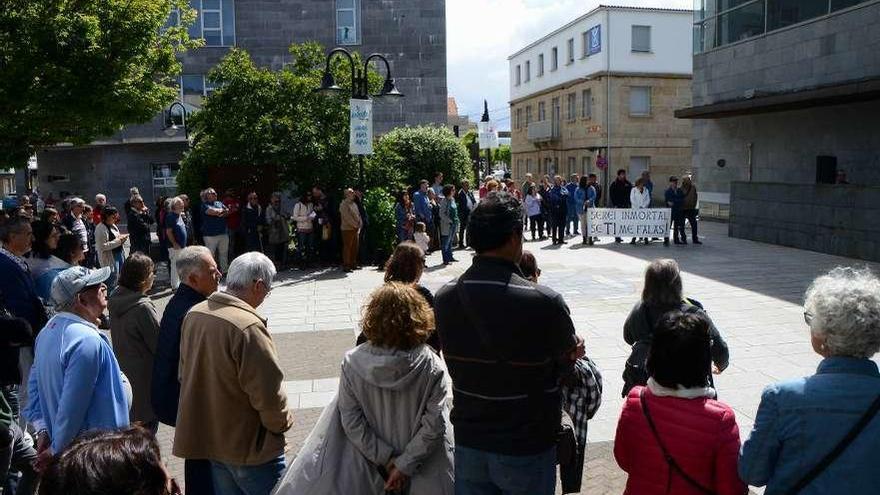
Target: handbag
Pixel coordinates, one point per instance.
(838, 449)
(670, 461)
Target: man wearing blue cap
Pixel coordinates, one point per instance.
(75, 383)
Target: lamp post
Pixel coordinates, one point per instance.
(171, 130)
(485, 118)
(360, 89)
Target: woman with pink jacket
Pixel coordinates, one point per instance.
(673, 436)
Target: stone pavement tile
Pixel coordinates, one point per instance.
(312, 355)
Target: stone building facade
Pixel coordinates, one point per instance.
(610, 80)
(785, 97)
(411, 34)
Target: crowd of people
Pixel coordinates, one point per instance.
(80, 406)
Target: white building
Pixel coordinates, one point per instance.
(637, 59)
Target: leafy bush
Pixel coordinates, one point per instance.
(408, 154)
(382, 230)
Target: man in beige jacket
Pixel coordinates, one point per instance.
(233, 410)
(351, 226)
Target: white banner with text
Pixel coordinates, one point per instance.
(646, 222)
(361, 138)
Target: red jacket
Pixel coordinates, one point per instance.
(700, 434)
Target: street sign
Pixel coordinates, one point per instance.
(488, 135)
(601, 162)
(360, 140)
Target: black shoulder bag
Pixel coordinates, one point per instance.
(838, 449)
(670, 461)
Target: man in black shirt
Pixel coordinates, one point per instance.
(505, 364)
(619, 191)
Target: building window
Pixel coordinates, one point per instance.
(640, 101)
(571, 164)
(554, 59)
(556, 116)
(641, 39)
(215, 22)
(781, 13)
(571, 103)
(741, 23)
(586, 104)
(586, 165)
(164, 179)
(638, 164)
(528, 165)
(348, 22)
(542, 114)
(518, 75)
(528, 115)
(585, 39)
(540, 64)
(570, 50)
(192, 89)
(519, 118)
(528, 70)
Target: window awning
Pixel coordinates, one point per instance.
(837, 94)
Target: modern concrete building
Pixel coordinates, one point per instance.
(786, 96)
(411, 34)
(609, 80)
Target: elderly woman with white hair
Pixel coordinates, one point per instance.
(819, 434)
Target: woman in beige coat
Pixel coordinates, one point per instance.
(134, 330)
(112, 246)
(388, 429)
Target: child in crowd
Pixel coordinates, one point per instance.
(529, 266)
(420, 237)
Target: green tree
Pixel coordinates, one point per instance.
(75, 71)
(273, 120)
(501, 154)
(408, 154)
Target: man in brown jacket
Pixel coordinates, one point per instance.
(233, 410)
(351, 226)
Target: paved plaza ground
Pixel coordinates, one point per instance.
(752, 291)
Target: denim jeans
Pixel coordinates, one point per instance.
(446, 247)
(230, 479)
(484, 473)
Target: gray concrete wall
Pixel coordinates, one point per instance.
(111, 170)
(785, 146)
(839, 220)
(838, 48)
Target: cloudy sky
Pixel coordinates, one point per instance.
(481, 34)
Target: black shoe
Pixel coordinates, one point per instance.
(647, 241)
(697, 242)
(632, 241)
(618, 240)
(563, 242)
(666, 242)
(590, 242)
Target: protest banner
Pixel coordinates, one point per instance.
(646, 222)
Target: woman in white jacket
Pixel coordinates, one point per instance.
(111, 245)
(304, 216)
(388, 429)
(640, 198)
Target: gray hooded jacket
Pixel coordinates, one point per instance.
(391, 404)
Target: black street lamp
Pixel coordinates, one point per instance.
(360, 89)
(485, 118)
(171, 125)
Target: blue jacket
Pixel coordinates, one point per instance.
(674, 198)
(557, 199)
(18, 293)
(165, 389)
(572, 188)
(582, 196)
(75, 383)
(800, 421)
(422, 207)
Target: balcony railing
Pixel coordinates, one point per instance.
(543, 130)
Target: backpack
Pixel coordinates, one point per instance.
(635, 371)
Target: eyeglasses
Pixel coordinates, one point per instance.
(808, 317)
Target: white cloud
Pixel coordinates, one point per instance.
(481, 34)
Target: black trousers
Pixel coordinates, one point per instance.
(462, 230)
(537, 223)
(678, 226)
(557, 226)
(691, 216)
